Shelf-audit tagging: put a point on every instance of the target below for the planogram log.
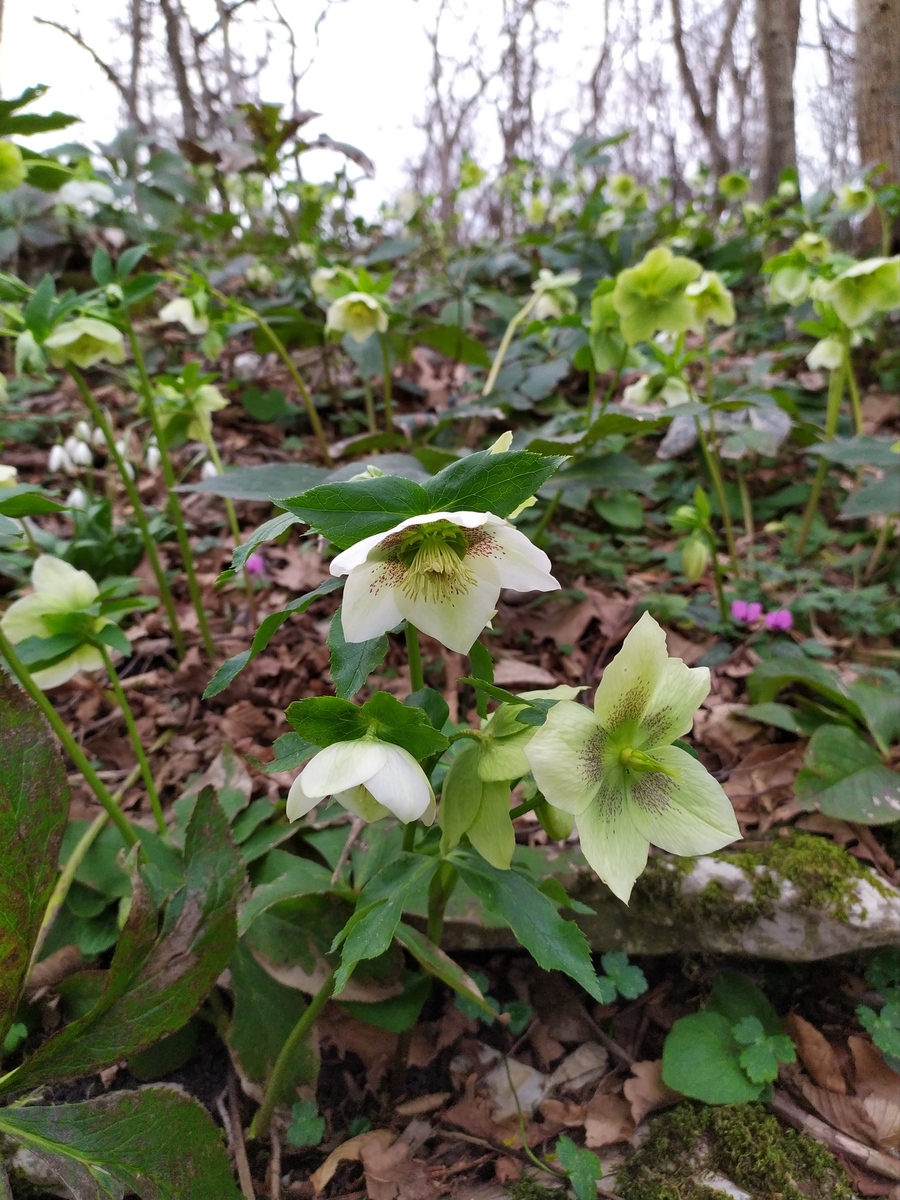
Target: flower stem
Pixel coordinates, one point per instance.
(71, 747)
(140, 516)
(130, 725)
(175, 512)
(388, 384)
(832, 412)
(235, 529)
(746, 505)
(505, 343)
(715, 474)
(855, 403)
(414, 654)
(439, 892)
(371, 419)
(546, 517)
(260, 1124)
(409, 838)
(592, 395)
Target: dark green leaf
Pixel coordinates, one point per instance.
(346, 513)
(734, 997)
(701, 1059)
(322, 720)
(403, 726)
(23, 500)
(353, 662)
(398, 1013)
(582, 1166)
(101, 266)
(454, 343)
(285, 877)
(485, 482)
(112, 635)
(34, 804)
(844, 777)
(438, 963)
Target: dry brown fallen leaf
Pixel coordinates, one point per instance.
(391, 1171)
(878, 1088)
(349, 1151)
(514, 672)
(816, 1054)
(646, 1092)
(607, 1119)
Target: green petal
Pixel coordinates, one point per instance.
(565, 757)
(631, 680)
(670, 713)
(492, 833)
(24, 618)
(687, 815)
(611, 841)
(460, 797)
(85, 658)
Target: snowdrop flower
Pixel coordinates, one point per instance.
(440, 571)
(182, 310)
(609, 222)
(368, 777)
(827, 354)
(208, 470)
(77, 498)
(616, 771)
(152, 457)
(78, 452)
(86, 195)
(84, 342)
(98, 440)
(555, 297)
(83, 431)
(8, 476)
(357, 314)
(60, 592)
(58, 460)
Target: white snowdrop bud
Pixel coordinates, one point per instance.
(83, 431)
(77, 499)
(69, 445)
(208, 470)
(129, 470)
(58, 460)
(98, 439)
(82, 455)
(152, 458)
(122, 446)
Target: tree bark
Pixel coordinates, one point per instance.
(189, 115)
(777, 31)
(877, 85)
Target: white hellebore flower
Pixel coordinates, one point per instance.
(8, 475)
(440, 571)
(616, 771)
(827, 353)
(59, 590)
(357, 314)
(610, 221)
(182, 310)
(368, 777)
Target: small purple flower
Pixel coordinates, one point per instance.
(746, 611)
(781, 618)
(255, 564)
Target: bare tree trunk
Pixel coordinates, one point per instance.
(190, 119)
(877, 84)
(137, 29)
(777, 31)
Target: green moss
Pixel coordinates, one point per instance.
(742, 1143)
(822, 872)
(659, 888)
(528, 1189)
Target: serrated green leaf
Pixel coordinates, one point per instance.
(485, 482)
(749, 1030)
(438, 963)
(759, 1062)
(403, 726)
(307, 1128)
(284, 877)
(323, 720)
(346, 513)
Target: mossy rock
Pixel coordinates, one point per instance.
(691, 1148)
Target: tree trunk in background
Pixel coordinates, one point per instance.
(877, 91)
(189, 116)
(777, 30)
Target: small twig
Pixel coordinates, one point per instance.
(238, 1148)
(355, 830)
(618, 1052)
(275, 1165)
(873, 1160)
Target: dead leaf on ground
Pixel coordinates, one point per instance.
(816, 1054)
(567, 622)
(349, 1151)
(429, 1038)
(645, 1091)
(391, 1171)
(607, 1119)
(879, 1089)
(581, 1068)
(514, 672)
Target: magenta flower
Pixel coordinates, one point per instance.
(255, 564)
(746, 611)
(781, 618)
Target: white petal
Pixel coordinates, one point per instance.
(401, 785)
(24, 618)
(690, 815)
(298, 803)
(564, 756)
(670, 713)
(520, 564)
(85, 658)
(369, 607)
(632, 678)
(612, 843)
(457, 620)
(58, 578)
(342, 765)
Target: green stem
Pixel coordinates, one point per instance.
(520, 810)
(592, 395)
(139, 515)
(505, 344)
(74, 751)
(235, 528)
(720, 591)
(371, 418)
(546, 517)
(409, 838)
(439, 892)
(260, 1123)
(388, 384)
(746, 506)
(881, 541)
(414, 654)
(279, 347)
(146, 771)
(175, 512)
(715, 474)
(832, 413)
(29, 537)
(855, 403)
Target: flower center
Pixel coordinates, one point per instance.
(434, 555)
(637, 763)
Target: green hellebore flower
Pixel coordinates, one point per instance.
(866, 288)
(555, 297)
(12, 167)
(85, 341)
(813, 246)
(190, 410)
(622, 191)
(734, 186)
(186, 311)
(789, 285)
(60, 591)
(855, 200)
(617, 772)
(827, 353)
(712, 301)
(29, 356)
(651, 296)
(357, 314)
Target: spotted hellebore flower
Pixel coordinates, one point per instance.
(616, 771)
(357, 314)
(866, 288)
(855, 199)
(651, 296)
(84, 342)
(57, 605)
(368, 777)
(440, 571)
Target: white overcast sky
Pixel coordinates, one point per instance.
(368, 79)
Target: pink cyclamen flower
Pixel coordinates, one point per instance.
(255, 564)
(781, 618)
(747, 611)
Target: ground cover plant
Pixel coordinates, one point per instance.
(449, 709)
